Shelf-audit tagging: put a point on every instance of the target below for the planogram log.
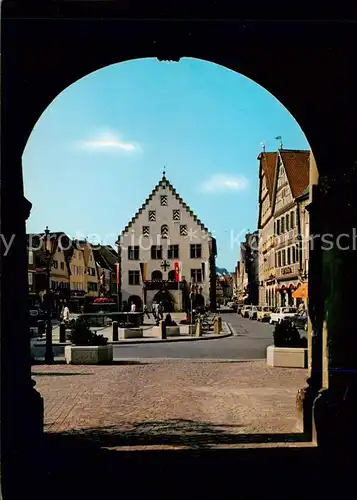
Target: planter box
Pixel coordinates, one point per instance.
(171, 331)
(288, 357)
(88, 355)
(187, 329)
(130, 333)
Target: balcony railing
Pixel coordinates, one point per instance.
(287, 237)
(289, 270)
(164, 284)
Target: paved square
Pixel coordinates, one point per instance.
(213, 399)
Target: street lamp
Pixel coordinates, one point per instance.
(47, 297)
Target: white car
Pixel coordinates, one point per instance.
(245, 311)
(282, 313)
(253, 312)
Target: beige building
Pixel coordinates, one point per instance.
(60, 271)
(59, 247)
(290, 198)
(266, 259)
(91, 278)
(235, 282)
(77, 266)
(283, 225)
(163, 242)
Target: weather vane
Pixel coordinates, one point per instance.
(279, 138)
(164, 172)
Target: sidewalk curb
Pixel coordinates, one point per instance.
(162, 341)
(159, 341)
(230, 328)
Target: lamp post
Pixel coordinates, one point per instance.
(47, 300)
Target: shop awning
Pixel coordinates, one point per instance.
(301, 292)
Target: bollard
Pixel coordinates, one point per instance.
(162, 326)
(199, 328)
(219, 324)
(216, 326)
(40, 327)
(62, 333)
(115, 331)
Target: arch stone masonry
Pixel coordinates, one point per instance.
(299, 62)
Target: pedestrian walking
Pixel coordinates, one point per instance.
(146, 311)
(133, 307)
(66, 314)
(161, 311)
(154, 310)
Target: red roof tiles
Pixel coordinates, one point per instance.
(268, 162)
(297, 166)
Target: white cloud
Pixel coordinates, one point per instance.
(108, 141)
(224, 183)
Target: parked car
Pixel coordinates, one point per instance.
(253, 312)
(264, 313)
(282, 313)
(36, 314)
(300, 320)
(245, 311)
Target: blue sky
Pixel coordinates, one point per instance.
(101, 146)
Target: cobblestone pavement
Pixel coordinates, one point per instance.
(171, 403)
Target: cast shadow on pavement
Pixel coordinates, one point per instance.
(79, 464)
(175, 433)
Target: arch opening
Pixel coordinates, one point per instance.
(163, 296)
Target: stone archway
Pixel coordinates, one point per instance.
(165, 297)
(42, 71)
(198, 301)
(171, 275)
(137, 301)
(156, 275)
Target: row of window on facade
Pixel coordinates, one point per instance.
(80, 270)
(286, 257)
(92, 287)
(285, 223)
(172, 252)
(134, 276)
(164, 230)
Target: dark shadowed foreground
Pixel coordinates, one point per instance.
(79, 466)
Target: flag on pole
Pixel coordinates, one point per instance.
(178, 271)
(117, 269)
(143, 270)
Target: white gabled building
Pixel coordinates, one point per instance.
(164, 252)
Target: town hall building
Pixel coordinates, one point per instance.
(167, 255)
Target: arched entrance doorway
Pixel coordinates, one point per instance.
(43, 71)
(135, 299)
(198, 301)
(156, 275)
(171, 275)
(167, 300)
